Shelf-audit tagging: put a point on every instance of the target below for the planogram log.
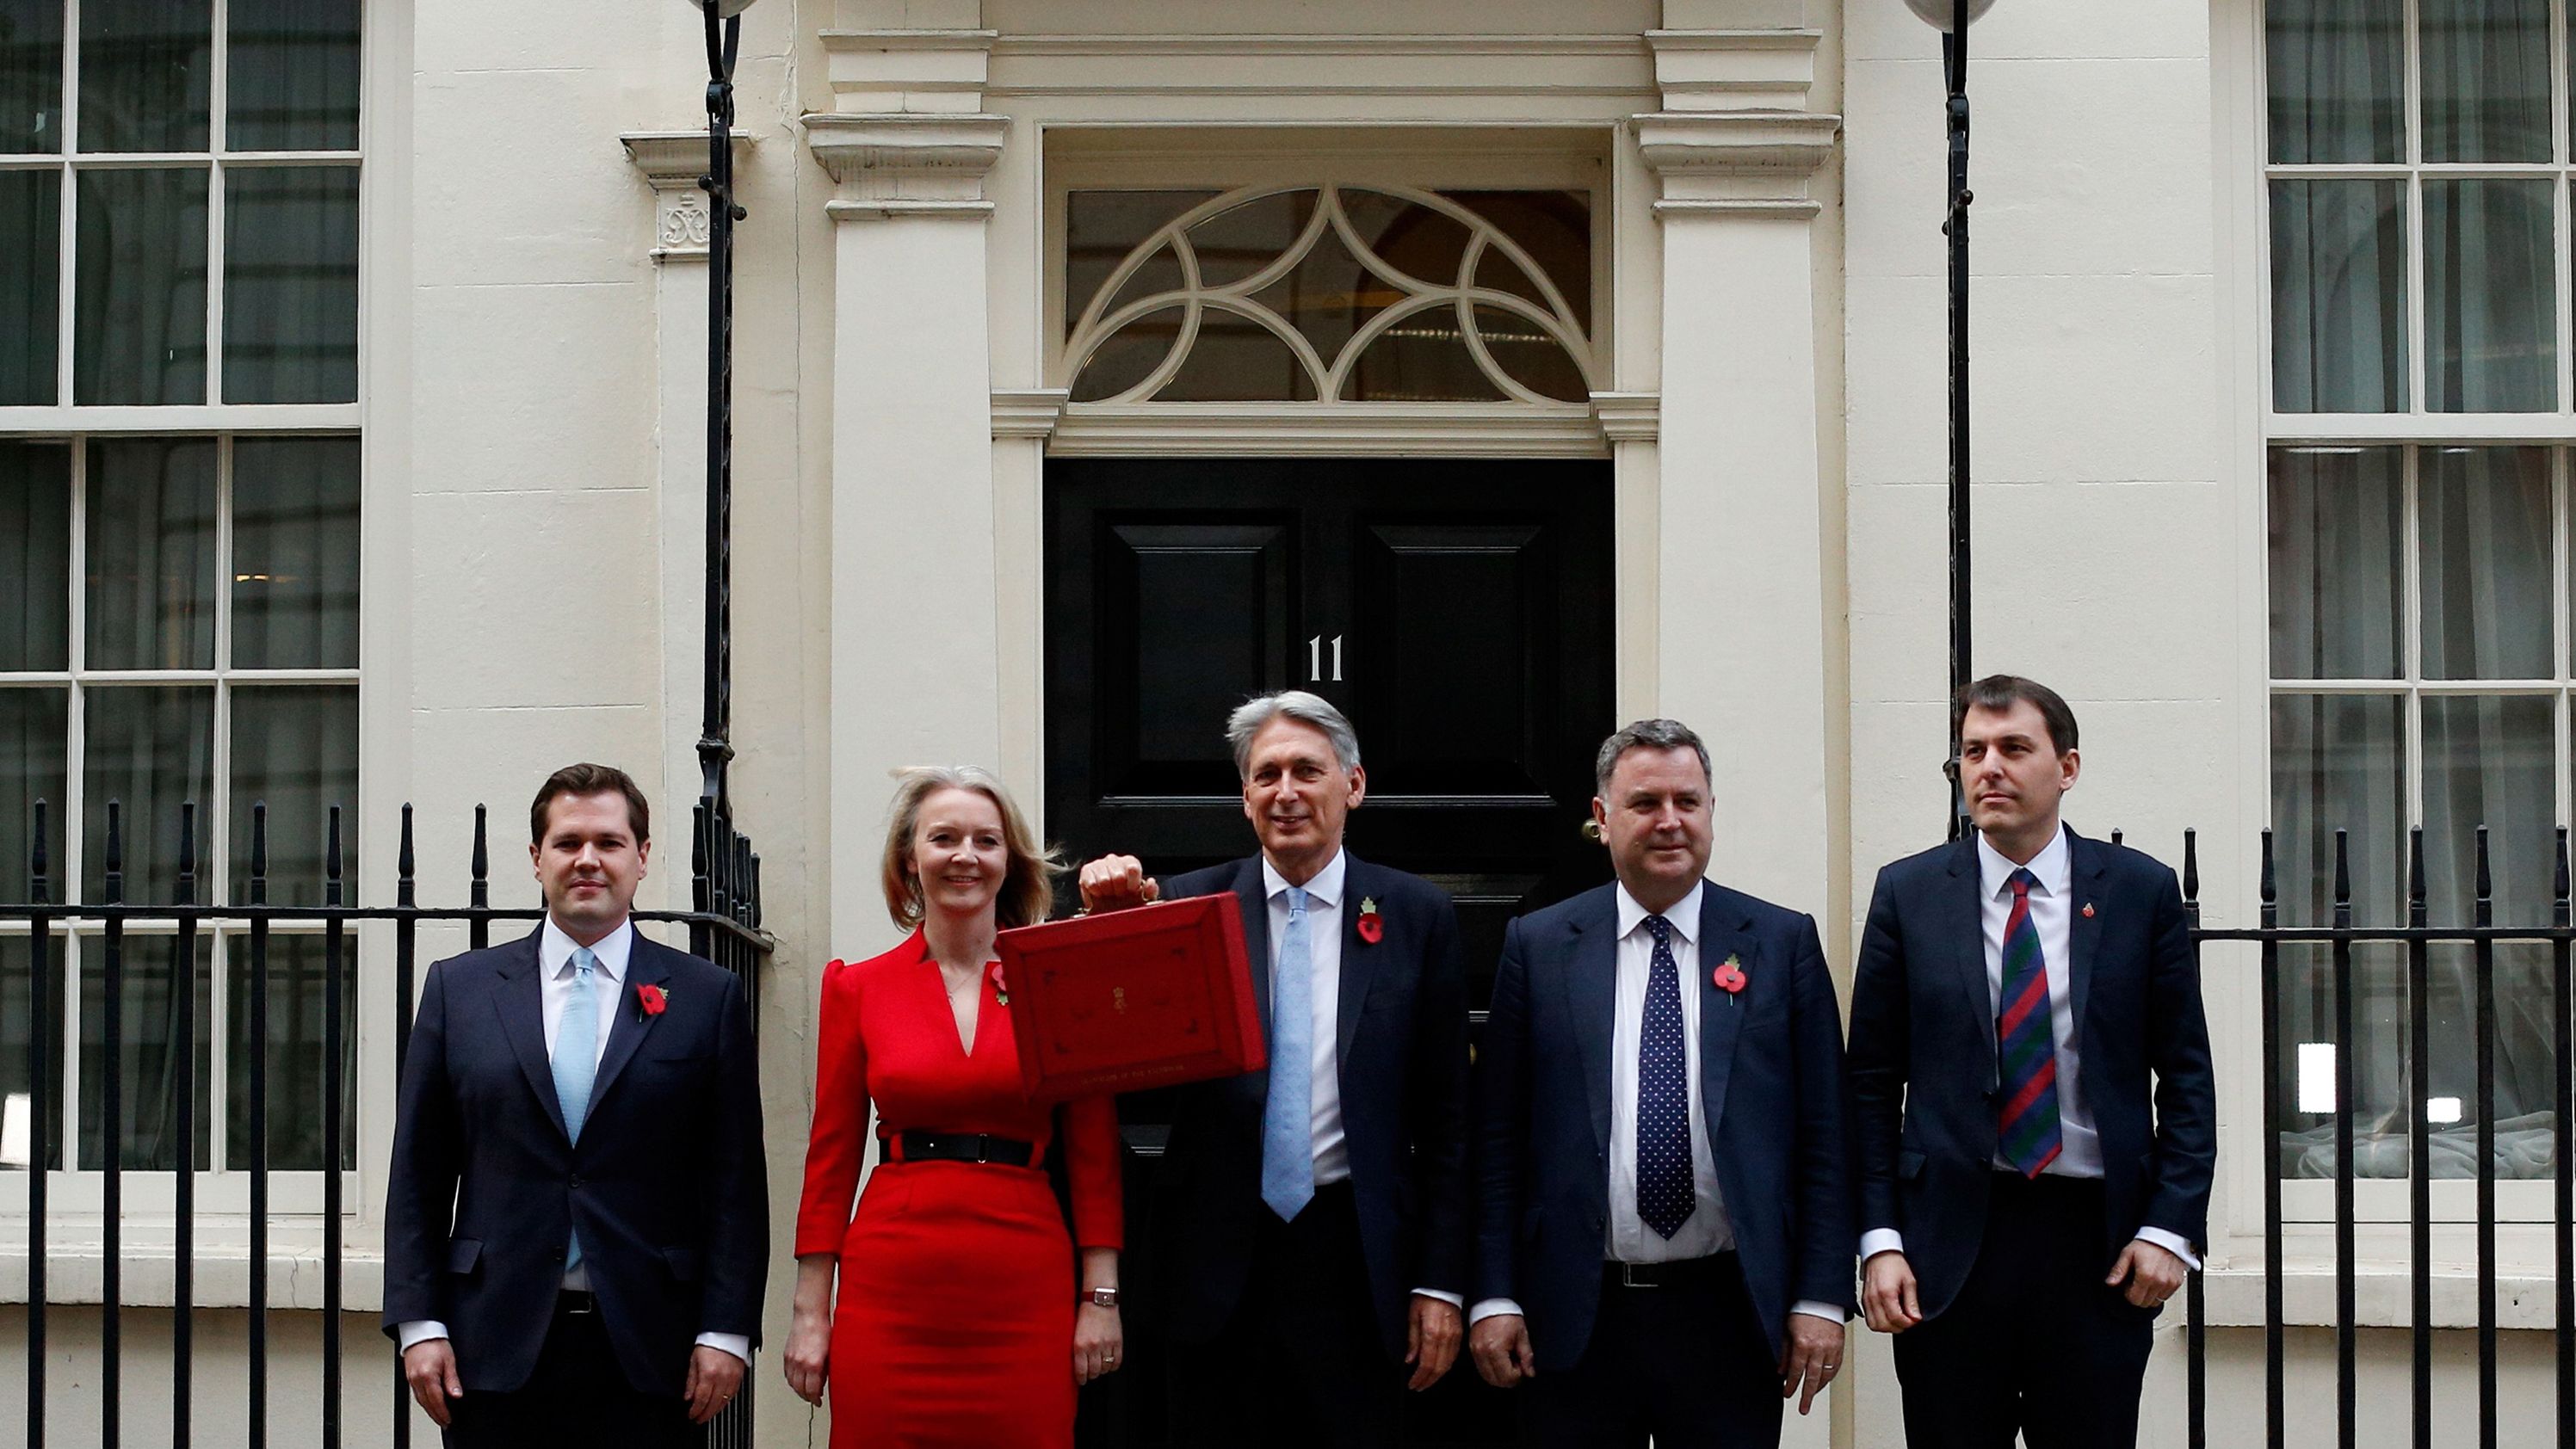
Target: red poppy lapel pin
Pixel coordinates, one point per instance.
(2088, 910)
(650, 1000)
(1729, 975)
(1372, 926)
(1001, 984)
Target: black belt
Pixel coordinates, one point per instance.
(1672, 1274)
(921, 1146)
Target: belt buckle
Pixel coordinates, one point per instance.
(983, 1147)
(582, 1303)
(1628, 1275)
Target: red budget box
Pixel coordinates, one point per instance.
(1126, 1000)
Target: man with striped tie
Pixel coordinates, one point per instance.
(2034, 1122)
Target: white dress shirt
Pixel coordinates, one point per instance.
(2052, 908)
(557, 979)
(1627, 1239)
(1324, 997)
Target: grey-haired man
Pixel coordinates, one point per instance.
(1320, 1242)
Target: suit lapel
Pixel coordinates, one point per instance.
(1592, 1002)
(646, 965)
(2084, 865)
(1359, 959)
(1255, 902)
(1964, 925)
(1721, 1013)
(520, 1002)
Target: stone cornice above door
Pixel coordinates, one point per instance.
(907, 163)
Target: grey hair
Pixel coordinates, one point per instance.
(1647, 734)
(1254, 715)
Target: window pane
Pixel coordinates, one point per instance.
(2379, 1037)
(1102, 227)
(2339, 296)
(31, 255)
(1554, 227)
(1422, 358)
(294, 76)
(140, 331)
(148, 1066)
(297, 976)
(1236, 359)
(295, 553)
(296, 748)
(2338, 80)
(2338, 762)
(34, 754)
(144, 72)
(151, 558)
(1530, 354)
(2490, 297)
(18, 1035)
(1129, 356)
(291, 284)
(2488, 761)
(35, 556)
(31, 75)
(151, 749)
(2338, 521)
(2486, 80)
(2483, 519)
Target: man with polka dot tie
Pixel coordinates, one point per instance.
(1662, 1245)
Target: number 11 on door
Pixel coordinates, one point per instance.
(1315, 659)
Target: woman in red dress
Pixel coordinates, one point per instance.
(957, 1320)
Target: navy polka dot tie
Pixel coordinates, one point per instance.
(1664, 1197)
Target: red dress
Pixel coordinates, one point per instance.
(954, 1324)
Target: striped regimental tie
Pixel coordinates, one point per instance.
(2025, 1046)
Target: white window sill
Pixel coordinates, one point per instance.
(2383, 1295)
(75, 1262)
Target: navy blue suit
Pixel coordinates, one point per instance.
(1771, 1061)
(1402, 1049)
(2021, 1337)
(667, 1185)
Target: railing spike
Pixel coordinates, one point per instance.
(2559, 886)
(258, 839)
(187, 844)
(115, 858)
(331, 870)
(2270, 888)
(2190, 866)
(37, 881)
(2486, 876)
(403, 861)
(2415, 875)
(2343, 873)
(482, 861)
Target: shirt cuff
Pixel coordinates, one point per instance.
(1492, 1308)
(1454, 1300)
(1880, 1240)
(419, 1330)
(2173, 1243)
(1814, 1309)
(737, 1344)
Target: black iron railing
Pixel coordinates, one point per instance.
(723, 926)
(2419, 937)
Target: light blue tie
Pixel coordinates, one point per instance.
(577, 1060)
(1287, 1119)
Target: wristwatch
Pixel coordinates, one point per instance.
(1104, 1297)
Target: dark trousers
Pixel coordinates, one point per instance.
(2035, 1344)
(576, 1395)
(1298, 1365)
(1685, 1362)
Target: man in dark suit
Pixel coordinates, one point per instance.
(577, 1221)
(1319, 1235)
(2034, 1122)
(1662, 1211)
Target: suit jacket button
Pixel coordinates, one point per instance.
(557, 1255)
(576, 1184)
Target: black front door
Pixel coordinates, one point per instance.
(1459, 611)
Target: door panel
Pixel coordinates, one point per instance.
(1458, 611)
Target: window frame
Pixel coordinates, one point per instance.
(375, 418)
(2310, 1204)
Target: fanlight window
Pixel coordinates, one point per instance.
(1329, 293)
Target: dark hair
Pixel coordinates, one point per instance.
(587, 779)
(1647, 734)
(2003, 691)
